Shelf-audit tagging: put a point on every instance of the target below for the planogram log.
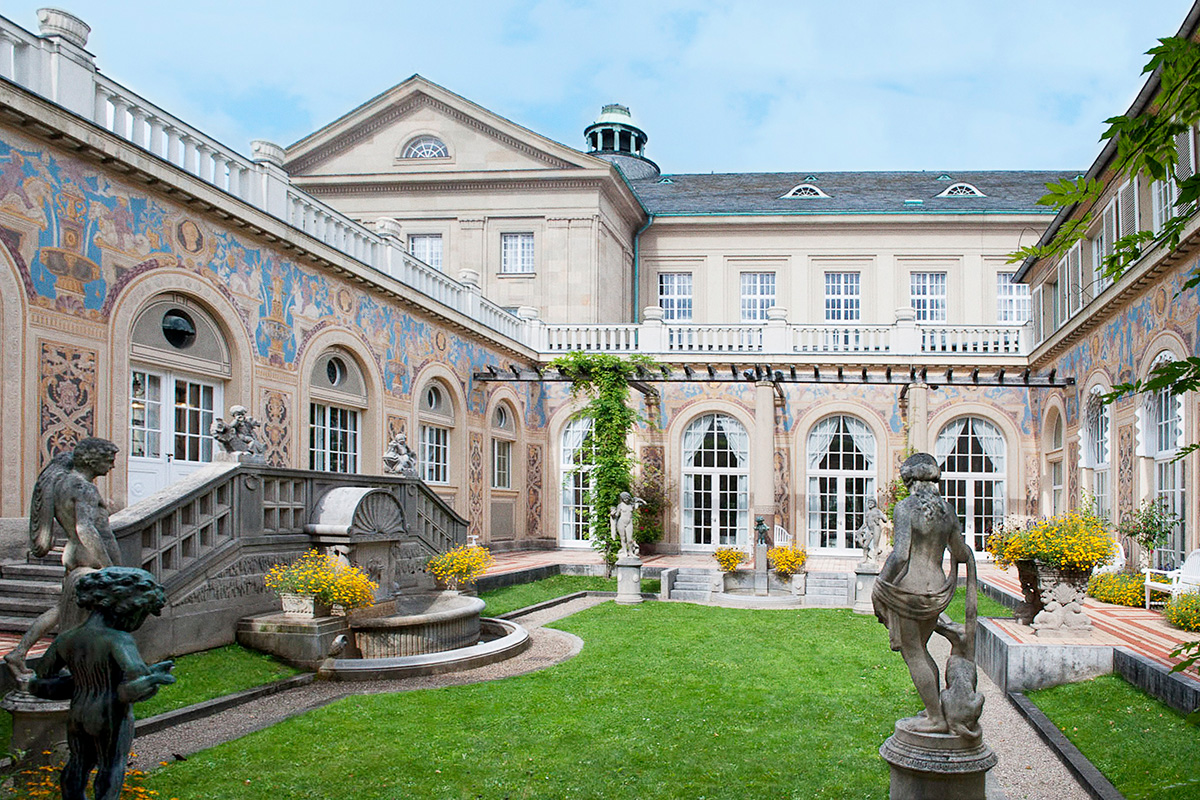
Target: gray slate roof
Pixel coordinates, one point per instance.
(849, 192)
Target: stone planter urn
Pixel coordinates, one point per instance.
(799, 583)
(1062, 592)
(304, 606)
(1031, 603)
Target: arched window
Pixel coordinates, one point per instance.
(338, 398)
(841, 478)
(426, 147)
(805, 190)
(1054, 460)
(179, 364)
(716, 478)
(436, 423)
(1098, 451)
(971, 453)
(1166, 432)
(504, 430)
(576, 463)
(961, 190)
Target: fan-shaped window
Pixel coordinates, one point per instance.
(961, 190)
(971, 452)
(176, 331)
(426, 147)
(806, 190)
(841, 478)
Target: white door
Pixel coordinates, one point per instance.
(170, 418)
(716, 479)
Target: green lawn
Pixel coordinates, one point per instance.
(214, 673)
(665, 701)
(987, 606)
(510, 598)
(1143, 746)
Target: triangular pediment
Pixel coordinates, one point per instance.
(372, 139)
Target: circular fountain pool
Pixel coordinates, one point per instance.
(418, 625)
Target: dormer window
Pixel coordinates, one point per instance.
(961, 190)
(806, 190)
(426, 147)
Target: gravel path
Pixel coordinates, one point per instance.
(1028, 768)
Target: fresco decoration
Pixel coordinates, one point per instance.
(79, 238)
(1033, 486)
(67, 397)
(783, 482)
(275, 426)
(1073, 497)
(475, 485)
(533, 490)
(396, 425)
(1013, 401)
(1125, 466)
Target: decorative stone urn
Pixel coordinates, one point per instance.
(1062, 592)
(1031, 603)
(305, 606)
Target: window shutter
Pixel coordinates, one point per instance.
(1038, 334)
(1127, 202)
(1185, 151)
(1079, 290)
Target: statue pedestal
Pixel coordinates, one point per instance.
(761, 584)
(933, 766)
(865, 574)
(37, 726)
(629, 580)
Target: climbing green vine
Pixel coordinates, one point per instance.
(605, 379)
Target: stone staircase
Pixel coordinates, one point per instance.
(693, 584)
(28, 589)
(829, 589)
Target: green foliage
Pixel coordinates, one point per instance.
(1150, 525)
(653, 488)
(890, 495)
(1183, 611)
(1118, 588)
(605, 379)
(1140, 744)
(957, 610)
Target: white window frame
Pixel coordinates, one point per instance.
(518, 254)
(675, 296)
(717, 483)
(927, 296)
(434, 453)
(1098, 451)
(575, 467)
(333, 437)
(757, 295)
(978, 487)
(838, 494)
(1013, 301)
(427, 247)
(843, 296)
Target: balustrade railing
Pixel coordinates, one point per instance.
(841, 339)
(597, 338)
(980, 340)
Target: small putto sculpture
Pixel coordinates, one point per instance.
(239, 435)
(399, 459)
(620, 521)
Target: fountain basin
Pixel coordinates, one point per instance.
(417, 625)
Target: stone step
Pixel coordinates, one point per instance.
(689, 595)
(10, 624)
(22, 606)
(9, 588)
(43, 572)
(826, 601)
(690, 581)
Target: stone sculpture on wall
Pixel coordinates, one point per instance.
(66, 500)
(104, 676)
(399, 459)
(239, 435)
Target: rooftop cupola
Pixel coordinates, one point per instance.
(615, 138)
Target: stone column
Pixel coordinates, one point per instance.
(918, 418)
(762, 454)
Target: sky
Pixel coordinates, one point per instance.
(799, 85)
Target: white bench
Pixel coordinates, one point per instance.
(1175, 581)
(1118, 564)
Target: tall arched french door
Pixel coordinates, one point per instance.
(716, 481)
(841, 478)
(971, 452)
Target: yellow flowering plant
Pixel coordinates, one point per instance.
(787, 561)
(322, 576)
(1078, 540)
(728, 558)
(1118, 588)
(463, 564)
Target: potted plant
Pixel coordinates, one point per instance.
(313, 583)
(461, 566)
(1150, 526)
(1064, 551)
(788, 563)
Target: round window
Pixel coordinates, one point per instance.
(335, 370)
(433, 398)
(501, 417)
(178, 328)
